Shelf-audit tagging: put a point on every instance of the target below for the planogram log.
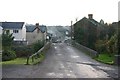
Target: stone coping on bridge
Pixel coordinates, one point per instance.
(87, 50)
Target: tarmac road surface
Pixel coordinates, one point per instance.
(62, 61)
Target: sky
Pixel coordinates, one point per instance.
(57, 12)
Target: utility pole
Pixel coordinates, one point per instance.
(71, 29)
(76, 19)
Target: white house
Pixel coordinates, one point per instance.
(35, 33)
(17, 28)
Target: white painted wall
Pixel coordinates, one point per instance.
(17, 36)
(1, 30)
(24, 32)
(21, 35)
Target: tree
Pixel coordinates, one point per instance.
(101, 46)
(7, 40)
(112, 44)
(112, 28)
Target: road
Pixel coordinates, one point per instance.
(61, 61)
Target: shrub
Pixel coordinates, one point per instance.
(112, 44)
(101, 46)
(8, 55)
(23, 51)
(37, 45)
(7, 40)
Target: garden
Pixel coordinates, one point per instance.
(18, 54)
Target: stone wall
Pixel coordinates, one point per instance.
(87, 50)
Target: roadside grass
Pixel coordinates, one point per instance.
(105, 58)
(15, 61)
(23, 61)
(38, 60)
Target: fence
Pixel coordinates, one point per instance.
(37, 54)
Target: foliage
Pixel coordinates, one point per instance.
(37, 45)
(102, 38)
(7, 40)
(79, 38)
(85, 35)
(23, 60)
(8, 55)
(23, 51)
(92, 35)
(103, 33)
(111, 30)
(118, 44)
(112, 44)
(37, 58)
(101, 46)
(105, 58)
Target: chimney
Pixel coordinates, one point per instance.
(37, 27)
(90, 16)
(37, 24)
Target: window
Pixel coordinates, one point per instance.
(15, 31)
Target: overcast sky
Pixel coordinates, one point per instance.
(57, 12)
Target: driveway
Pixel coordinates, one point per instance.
(62, 61)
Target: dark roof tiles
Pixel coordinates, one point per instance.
(12, 25)
(94, 22)
(31, 28)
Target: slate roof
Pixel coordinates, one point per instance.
(31, 28)
(91, 20)
(12, 25)
(43, 28)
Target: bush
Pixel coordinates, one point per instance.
(23, 51)
(101, 46)
(8, 55)
(38, 45)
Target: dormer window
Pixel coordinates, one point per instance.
(15, 31)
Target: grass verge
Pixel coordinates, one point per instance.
(105, 58)
(23, 61)
(37, 60)
(15, 61)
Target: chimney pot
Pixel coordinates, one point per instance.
(37, 24)
(90, 16)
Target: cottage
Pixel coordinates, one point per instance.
(18, 30)
(89, 30)
(35, 33)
